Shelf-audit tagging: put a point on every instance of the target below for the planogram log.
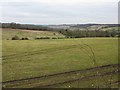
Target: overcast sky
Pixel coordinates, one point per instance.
(59, 11)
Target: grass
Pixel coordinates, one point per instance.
(91, 83)
(61, 78)
(34, 58)
(55, 56)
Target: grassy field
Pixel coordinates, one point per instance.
(8, 33)
(32, 58)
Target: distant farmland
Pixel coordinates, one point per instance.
(8, 33)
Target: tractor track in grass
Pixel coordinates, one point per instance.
(62, 73)
(39, 52)
(78, 79)
(115, 82)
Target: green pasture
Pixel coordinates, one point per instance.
(31, 58)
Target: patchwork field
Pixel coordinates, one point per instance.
(24, 61)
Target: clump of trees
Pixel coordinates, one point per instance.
(42, 38)
(88, 33)
(25, 38)
(18, 38)
(15, 38)
(37, 38)
(54, 38)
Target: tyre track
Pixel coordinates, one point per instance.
(63, 73)
(78, 79)
(38, 52)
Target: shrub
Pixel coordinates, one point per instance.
(22, 38)
(54, 38)
(54, 33)
(15, 38)
(26, 38)
(61, 37)
(45, 37)
(42, 38)
(37, 38)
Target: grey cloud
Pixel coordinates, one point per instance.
(27, 12)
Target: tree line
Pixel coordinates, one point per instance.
(88, 33)
(25, 26)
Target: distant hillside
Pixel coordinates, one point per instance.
(58, 27)
(8, 33)
(83, 26)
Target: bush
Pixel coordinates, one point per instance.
(54, 33)
(42, 38)
(45, 38)
(22, 38)
(26, 38)
(54, 38)
(15, 38)
(37, 38)
(61, 37)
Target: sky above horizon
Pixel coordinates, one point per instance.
(59, 11)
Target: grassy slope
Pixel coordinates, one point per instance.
(9, 33)
(59, 56)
